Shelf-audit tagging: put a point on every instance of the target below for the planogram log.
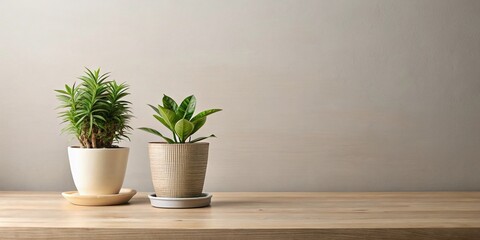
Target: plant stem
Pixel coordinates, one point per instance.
(94, 141)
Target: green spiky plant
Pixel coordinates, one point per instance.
(179, 119)
(95, 110)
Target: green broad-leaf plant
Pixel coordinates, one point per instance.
(95, 111)
(179, 119)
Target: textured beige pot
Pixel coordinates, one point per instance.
(98, 171)
(178, 170)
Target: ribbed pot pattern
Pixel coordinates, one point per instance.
(178, 170)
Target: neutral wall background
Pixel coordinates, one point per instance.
(317, 95)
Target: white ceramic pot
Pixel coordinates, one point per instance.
(98, 171)
(178, 170)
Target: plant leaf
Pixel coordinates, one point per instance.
(160, 119)
(154, 109)
(155, 132)
(184, 129)
(168, 115)
(201, 138)
(187, 107)
(205, 113)
(169, 103)
(198, 124)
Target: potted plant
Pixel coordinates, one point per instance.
(179, 164)
(96, 113)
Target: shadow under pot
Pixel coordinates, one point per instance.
(178, 170)
(98, 171)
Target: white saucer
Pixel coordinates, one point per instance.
(123, 196)
(195, 202)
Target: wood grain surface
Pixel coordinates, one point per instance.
(433, 215)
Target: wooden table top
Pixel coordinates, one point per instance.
(300, 215)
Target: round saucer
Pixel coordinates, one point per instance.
(123, 196)
(194, 202)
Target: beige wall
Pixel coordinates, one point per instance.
(317, 95)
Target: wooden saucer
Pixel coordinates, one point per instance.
(122, 197)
